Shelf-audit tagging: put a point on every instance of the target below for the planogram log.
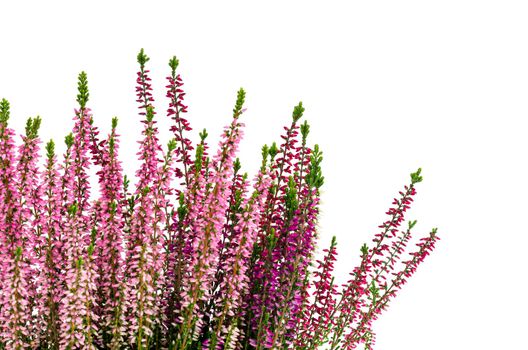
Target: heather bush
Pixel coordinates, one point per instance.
(195, 255)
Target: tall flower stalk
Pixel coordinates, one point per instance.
(192, 254)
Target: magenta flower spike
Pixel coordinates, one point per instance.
(181, 126)
(316, 318)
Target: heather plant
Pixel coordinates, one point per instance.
(195, 255)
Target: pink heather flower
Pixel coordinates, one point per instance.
(7, 204)
(19, 257)
(222, 268)
(78, 322)
(145, 256)
(31, 200)
(110, 224)
(15, 313)
(235, 284)
(53, 264)
(77, 305)
(208, 228)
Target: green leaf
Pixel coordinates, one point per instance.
(265, 152)
(199, 156)
(434, 231)
(114, 122)
(126, 182)
(18, 252)
(35, 127)
(273, 150)
(150, 113)
(203, 135)
(82, 88)
(69, 140)
(241, 97)
(142, 58)
(173, 63)
(172, 145)
(93, 234)
(236, 165)
(415, 177)
(72, 209)
(91, 249)
(29, 123)
(297, 112)
(50, 149)
(315, 176)
(305, 130)
(364, 249)
(4, 111)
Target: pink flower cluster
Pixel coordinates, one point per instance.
(192, 254)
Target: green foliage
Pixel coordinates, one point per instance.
(142, 58)
(241, 97)
(297, 112)
(333, 243)
(82, 88)
(145, 191)
(150, 113)
(305, 130)
(72, 209)
(4, 111)
(113, 207)
(265, 152)
(114, 122)
(364, 249)
(50, 149)
(93, 235)
(203, 135)
(291, 201)
(171, 145)
(199, 156)
(374, 291)
(182, 208)
(236, 165)
(69, 140)
(315, 176)
(272, 239)
(273, 150)
(126, 183)
(18, 252)
(32, 127)
(173, 64)
(91, 249)
(415, 177)
(111, 146)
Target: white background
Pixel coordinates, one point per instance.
(389, 86)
